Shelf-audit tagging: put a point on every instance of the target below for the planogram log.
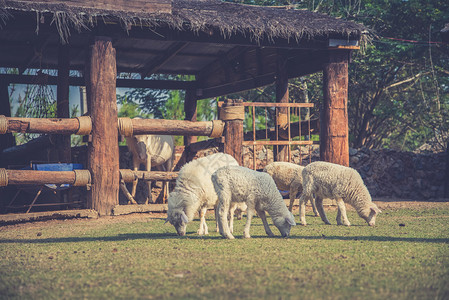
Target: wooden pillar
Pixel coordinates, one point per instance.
(233, 133)
(334, 143)
(190, 115)
(6, 140)
(63, 142)
(281, 152)
(103, 151)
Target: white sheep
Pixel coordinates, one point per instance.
(344, 184)
(152, 150)
(288, 177)
(194, 191)
(258, 191)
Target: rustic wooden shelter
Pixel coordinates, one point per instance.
(228, 47)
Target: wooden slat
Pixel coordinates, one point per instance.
(277, 143)
(271, 104)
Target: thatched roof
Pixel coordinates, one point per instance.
(254, 22)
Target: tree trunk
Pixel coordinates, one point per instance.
(103, 151)
(233, 133)
(334, 143)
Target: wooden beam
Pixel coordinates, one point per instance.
(334, 143)
(190, 115)
(236, 86)
(103, 151)
(42, 125)
(63, 143)
(171, 127)
(155, 64)
(281, 153)
(125, 83)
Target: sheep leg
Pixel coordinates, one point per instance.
(231, 218)
(342, 213)
(263, 217)
(302, 209)
(216, 218)
(292, 198)
(315, 211)
(165, 190)
(319, 204)
(203, 226)
(148, 166)
(223, 209)
(249, 216)
(136, 165)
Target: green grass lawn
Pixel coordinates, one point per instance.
(406, 256)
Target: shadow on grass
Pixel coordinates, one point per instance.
(193, 236)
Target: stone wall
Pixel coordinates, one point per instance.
(386, 173)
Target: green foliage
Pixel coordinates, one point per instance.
(138, 257)
(398, 90)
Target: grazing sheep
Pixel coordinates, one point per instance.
(194, 191)
(288, 177)
(152, 150)
(258, 191)
(327, 180)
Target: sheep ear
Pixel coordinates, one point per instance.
(184, 218)
(376, 209)
(166, 220)
(290, 221)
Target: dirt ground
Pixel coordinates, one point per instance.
(384, 204)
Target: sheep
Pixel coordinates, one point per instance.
(194, 191)
(288, 176)
(328, 180)
(152, 150)
(258, 190)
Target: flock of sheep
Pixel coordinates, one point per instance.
(218, 181)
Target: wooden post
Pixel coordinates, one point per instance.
(281, 152)
(6, 140)
(233, 133)
(334, 143)
(103, 151)
(63, 143)
(190, 115)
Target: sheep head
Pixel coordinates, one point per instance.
(179, 220)
(284, 223)
(369, 214)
